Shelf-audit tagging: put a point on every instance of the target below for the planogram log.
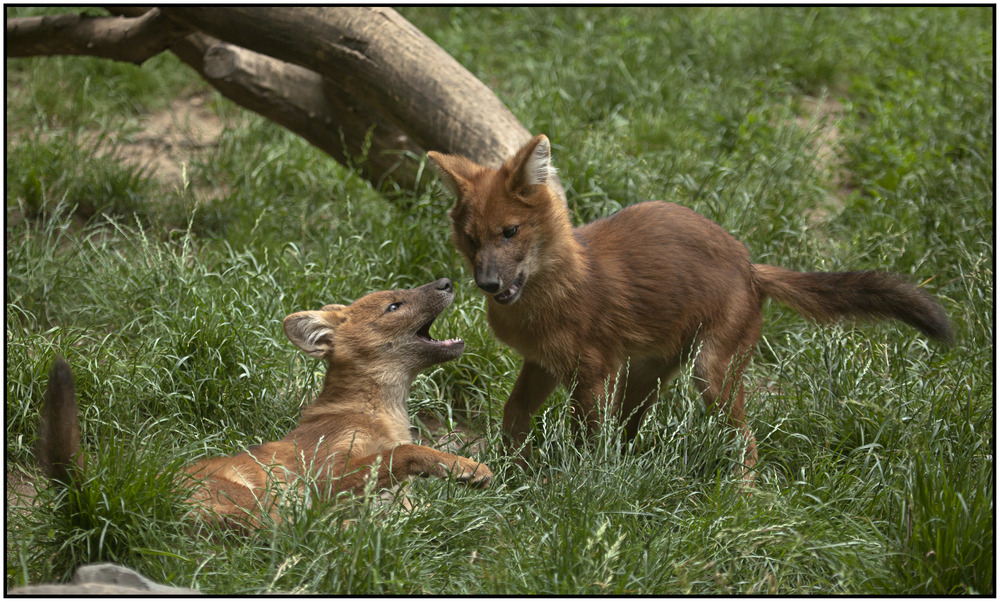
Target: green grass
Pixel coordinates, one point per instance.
(877, 468)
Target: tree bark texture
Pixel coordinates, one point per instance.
(319, 110)
(132, 40)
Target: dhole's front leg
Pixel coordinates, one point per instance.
(533, 386)
(410, 460)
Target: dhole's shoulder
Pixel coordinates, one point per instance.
(660, 210)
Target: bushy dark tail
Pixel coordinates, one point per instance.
(58, 448)
(826, 296)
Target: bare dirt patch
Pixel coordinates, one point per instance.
(164, 145)
(819, 118)
(171, 138)
(20, 497)
(20, 490)
(461, 440)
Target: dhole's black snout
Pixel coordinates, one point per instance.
(487, 279)
(442, 285)
(489, 286)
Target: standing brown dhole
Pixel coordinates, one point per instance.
(373, 349)
(638, 293)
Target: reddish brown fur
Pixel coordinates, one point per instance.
(373, 352)
(644, 290)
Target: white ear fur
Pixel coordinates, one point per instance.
(310, 332)
(538, 168)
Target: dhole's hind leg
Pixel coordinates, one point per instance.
(236, 506)
(719, 370)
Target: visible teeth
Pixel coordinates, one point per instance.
(444, 342)
(508, 293)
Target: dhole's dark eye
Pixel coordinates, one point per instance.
(394, 306)
(509, 231)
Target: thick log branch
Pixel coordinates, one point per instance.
(320, 111)
(385, 61)
(132, 40)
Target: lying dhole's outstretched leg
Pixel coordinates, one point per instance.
(397, 465)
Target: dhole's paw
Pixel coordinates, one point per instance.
(480, 477)
(470, 472)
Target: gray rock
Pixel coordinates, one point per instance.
(103, 579)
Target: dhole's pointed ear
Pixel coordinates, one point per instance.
(532, 165)
(455, 171)
(312, 331)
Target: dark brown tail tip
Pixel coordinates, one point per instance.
(937, 326)
(944, 333)
(60, 377)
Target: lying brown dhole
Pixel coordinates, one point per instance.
(373, 349)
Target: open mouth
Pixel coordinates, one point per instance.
(513, 291)
(450, 346)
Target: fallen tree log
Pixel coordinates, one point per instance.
(383, 59)
(362, 84)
